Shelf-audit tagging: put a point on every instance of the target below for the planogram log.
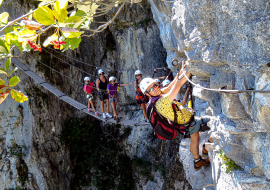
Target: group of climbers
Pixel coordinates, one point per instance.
(157, 100)
(107, 91)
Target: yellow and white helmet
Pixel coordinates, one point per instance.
(145, 83)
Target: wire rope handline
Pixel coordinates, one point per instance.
(68, 63)
(220, 90)
(73, 79)
(80, 60)
(160, 68)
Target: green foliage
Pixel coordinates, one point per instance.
(161, 170)
(71, 43)
(22, 172)
(67, 17)
(3, 47)
(44, 15)
(144, 22)
(144, 167)
(17, 151)
(20, 106)
(14, 81)
(228, 163)
(18, 188)
(98, 157)
(8, 64)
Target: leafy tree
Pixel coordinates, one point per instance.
(70, 18)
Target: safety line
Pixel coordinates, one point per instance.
(83, 62)
(95, 65)
(68, 63)
(224, 91)
(75, 80)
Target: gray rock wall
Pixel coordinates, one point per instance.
(132, 42)
(226, 44)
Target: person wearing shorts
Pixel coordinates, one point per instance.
(113, 96)
(88, 88)
(102, 83)
(164, 107)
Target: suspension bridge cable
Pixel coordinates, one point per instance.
(68, 63)
(81, 61)
(73, 79)
(91, 64)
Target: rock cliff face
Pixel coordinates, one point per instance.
(31, 154)
(226, 44)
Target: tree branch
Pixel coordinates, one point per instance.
(104, 26)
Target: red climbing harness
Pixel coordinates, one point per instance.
(164, 128)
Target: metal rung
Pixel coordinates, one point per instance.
(93, 114)
(19, 64)
(52, 89)
(73, 102)
(35, 77)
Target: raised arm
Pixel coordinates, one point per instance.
(126, 84)
(165, 90)
(178, 84)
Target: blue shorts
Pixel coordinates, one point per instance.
(197, 126)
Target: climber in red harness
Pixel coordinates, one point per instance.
(168, 116)
(88, 88)
(140, 97)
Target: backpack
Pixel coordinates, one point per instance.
(164, 128)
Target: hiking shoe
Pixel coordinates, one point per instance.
(104, 115)
(108, 115)
(117, 119)
(201, 162)
(204, 152)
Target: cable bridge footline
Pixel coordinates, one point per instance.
(68, 99)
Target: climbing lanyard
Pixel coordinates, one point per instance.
(190, 95)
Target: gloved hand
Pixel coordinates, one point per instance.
(87, 96)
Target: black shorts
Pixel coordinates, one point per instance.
(103, 96)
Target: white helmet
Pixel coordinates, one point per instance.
(166, 82)
(145, 83)
(157, 80)
(138, 72)
(111, 78)
(86, 78)
(100, 71)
